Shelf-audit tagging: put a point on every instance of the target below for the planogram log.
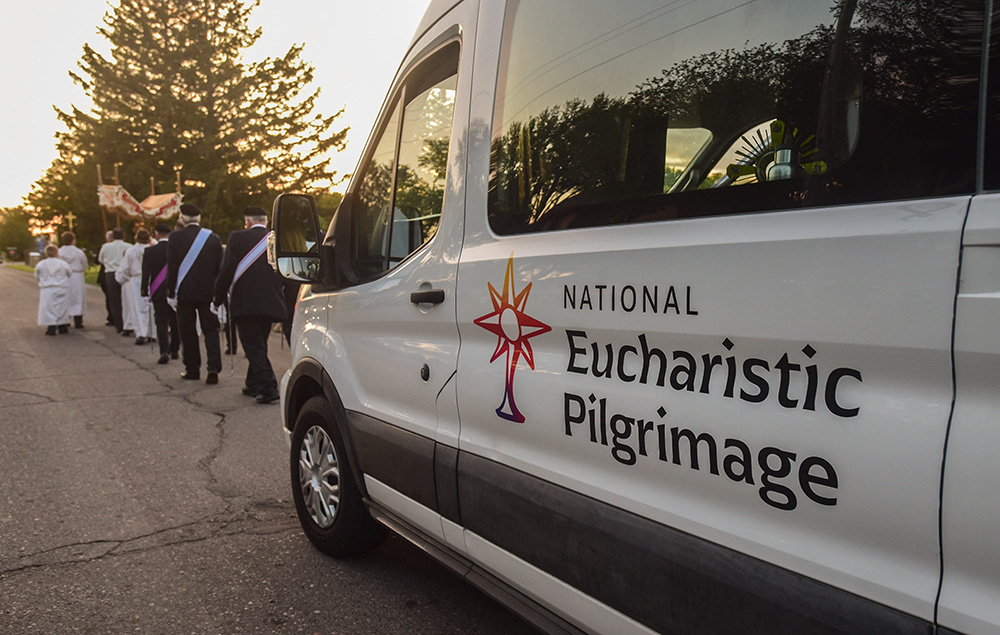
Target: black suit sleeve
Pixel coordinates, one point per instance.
(227, 269)
(173, 262)
(144, 285)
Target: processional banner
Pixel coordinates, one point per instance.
(117, 200)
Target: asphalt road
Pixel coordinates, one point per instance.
(134, 501)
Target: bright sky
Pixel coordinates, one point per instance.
(354, 45)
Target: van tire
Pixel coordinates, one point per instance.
(327, 498)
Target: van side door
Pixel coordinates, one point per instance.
(705, 376)
(393, 342)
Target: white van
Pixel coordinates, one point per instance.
(669, 316)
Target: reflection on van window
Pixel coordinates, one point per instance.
(401, 191)
(423, 159)
(301, 268)
(650, 110)
(374, 200)
(298, 229)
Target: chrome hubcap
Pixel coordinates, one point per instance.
(319, 476)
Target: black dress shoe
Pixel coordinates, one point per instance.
(250, 392)
(268, 398)
(139, 341)
(174, 356)
(163, 359)
(189, 375)
(212, 378)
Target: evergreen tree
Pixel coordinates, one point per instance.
(176, 94)
(16, 239)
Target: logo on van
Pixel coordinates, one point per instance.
(513, 328)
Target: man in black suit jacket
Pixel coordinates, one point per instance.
(192, 290)
(154, 286)
(256, 300)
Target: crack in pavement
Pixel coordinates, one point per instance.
(264, 520)
(205, 463)
(227, 495)
(237, 512)
(11, 391)
(8, 351)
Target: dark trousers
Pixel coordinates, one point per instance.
(167, 333)
(254, 331)
(115, 300)
(107, 298)
(187, 314)
(229, 329)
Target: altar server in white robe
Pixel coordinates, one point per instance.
(135, 308)
(77, 261)
(53, 276)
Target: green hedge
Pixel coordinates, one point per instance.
(89, 276)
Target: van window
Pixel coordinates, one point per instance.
(374, 200)
(652, 110)
(400, 193)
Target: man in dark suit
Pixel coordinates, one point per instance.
(256, 300)
(154, 286)
(193, 258)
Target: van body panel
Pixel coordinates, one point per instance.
(970, 593)
(567, 602)
(667, 580)
(881, 433)
(420, 516)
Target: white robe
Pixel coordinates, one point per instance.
(135, 309)
(53, 277)
(77, 261)
(128, 309)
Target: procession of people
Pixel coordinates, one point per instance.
(170, 288)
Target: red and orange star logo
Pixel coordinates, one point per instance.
(513, 328)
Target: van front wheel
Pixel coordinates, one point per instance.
(327, 499)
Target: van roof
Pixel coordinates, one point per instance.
(435, 10)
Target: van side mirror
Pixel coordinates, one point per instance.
(293, 247)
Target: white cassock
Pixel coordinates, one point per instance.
(128, 310)
(53, 280)
(135, 310)
(77, 261)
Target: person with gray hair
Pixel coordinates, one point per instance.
(193, 258)
(111, 256)
(256, 300)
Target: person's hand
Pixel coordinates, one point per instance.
(172, 302)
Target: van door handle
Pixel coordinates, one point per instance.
(433, 296)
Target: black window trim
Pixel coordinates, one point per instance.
(424, 71)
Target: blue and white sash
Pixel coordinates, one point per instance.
(191, 256)
(251, 257)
